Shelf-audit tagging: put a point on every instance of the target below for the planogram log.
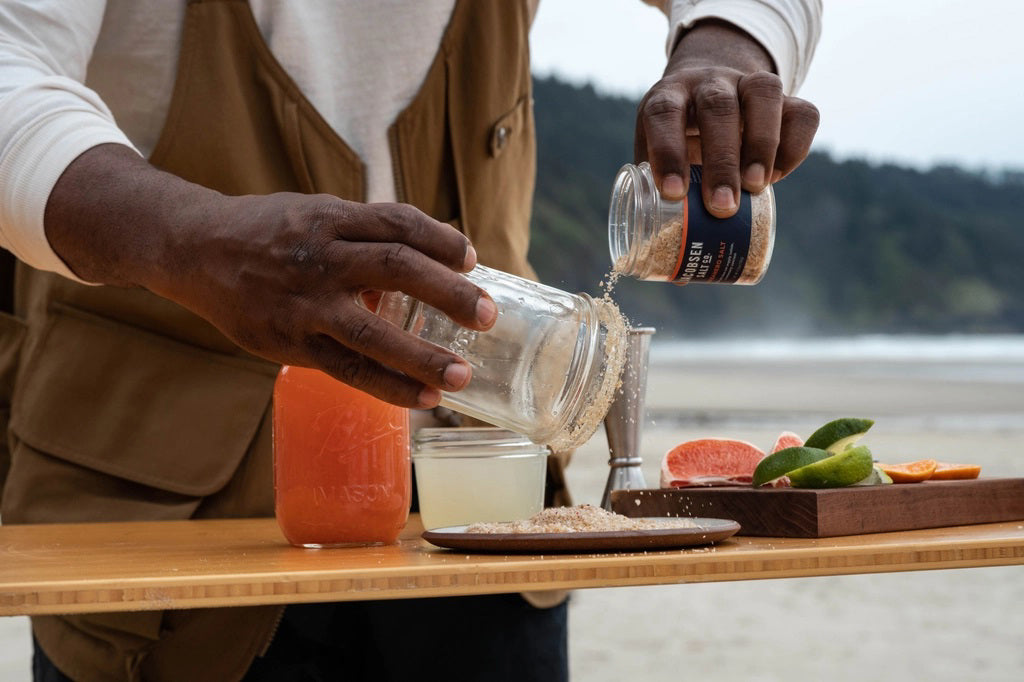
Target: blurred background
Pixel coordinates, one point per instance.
(895, 293)
(906, 219)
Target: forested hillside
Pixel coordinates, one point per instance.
(861, 248)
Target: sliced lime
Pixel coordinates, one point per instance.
(839, 434)
(778, 464)
(876, 477)
(837, 471)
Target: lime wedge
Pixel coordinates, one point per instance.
(778, 464)
(876, 477)
(837, 471)
(840, 434)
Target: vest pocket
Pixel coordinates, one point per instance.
(511, 126)
(111, 422)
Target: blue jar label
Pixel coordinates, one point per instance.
(713, 249)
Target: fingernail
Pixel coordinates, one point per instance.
(723, 199)
(470, 261)
(456, 376)
(429, 397)
(754, 175)
(486, 311)
(672, 187)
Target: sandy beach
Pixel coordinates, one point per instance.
(943, 400)
(950, 399)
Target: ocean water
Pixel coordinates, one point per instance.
(948, 383)
(953, 349)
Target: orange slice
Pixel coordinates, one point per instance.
(910, 472)
(946, 471)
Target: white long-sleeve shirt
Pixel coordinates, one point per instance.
(76, 74)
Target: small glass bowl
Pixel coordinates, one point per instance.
(477, 474)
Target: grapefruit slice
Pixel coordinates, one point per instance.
(709, 462)
(947, 471)
(787, 439)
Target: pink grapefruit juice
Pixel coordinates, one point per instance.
(341, 462)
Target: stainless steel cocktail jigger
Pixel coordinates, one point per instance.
(624, 421)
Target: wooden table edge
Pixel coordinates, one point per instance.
(459, 574)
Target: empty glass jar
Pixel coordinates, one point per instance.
(549, 366)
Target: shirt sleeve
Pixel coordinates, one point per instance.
(787, 29)
(47, 116)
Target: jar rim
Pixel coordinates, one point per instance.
(452, 442)
(624, 214)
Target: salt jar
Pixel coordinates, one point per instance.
(651, 238)
(548, 368)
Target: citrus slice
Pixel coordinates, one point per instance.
(836, 471)
(839, 434)
(787, 439)
(778, 464)
(876, 477)
(710, 461)
(947, 471)
(910, 472)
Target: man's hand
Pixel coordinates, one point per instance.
(719, 104)
(282, 275)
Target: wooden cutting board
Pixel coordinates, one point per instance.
(802, 513)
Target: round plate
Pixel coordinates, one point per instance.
(704, 532)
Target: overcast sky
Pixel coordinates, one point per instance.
(918, 82)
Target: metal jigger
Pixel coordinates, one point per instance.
(623, 423)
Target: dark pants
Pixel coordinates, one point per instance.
(492, 637)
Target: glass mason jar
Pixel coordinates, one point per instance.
(477, 474)
(341, 462)
(548, 368)
(679, 241)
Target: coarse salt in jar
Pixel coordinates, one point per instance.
(651, 238)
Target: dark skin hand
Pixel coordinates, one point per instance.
(281, 274)
(720, 104)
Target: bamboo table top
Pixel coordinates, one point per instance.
(48, 569)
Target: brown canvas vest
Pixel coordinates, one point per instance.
(129, 407)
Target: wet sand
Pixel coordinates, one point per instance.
(936, 625)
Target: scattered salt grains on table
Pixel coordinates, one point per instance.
(584, 518)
